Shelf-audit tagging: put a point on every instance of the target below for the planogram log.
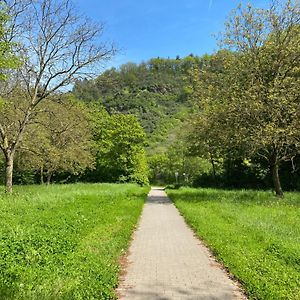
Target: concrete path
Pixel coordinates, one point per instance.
(166, 261)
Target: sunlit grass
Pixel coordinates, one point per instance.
(255, 235)
(64, 241)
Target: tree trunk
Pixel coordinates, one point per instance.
(49, 175)
(42, 175)
(213, 165)
(276, 179)
(9, 166)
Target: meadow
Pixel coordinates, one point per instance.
(254, 234)
(64, 241)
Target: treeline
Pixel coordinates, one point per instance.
(230, 119)
(71, 142)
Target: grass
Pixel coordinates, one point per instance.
(64, 241)
(254, 234)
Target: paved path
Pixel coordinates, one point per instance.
(167, 262)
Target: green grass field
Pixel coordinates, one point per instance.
(64, 241)
(254, 234)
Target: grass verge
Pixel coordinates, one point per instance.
(253, 233)
(64, 241)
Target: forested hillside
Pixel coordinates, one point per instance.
(154, 91)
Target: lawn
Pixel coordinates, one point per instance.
(254, 234)
(64, 241)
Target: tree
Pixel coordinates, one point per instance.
(176, 159)
(204, 140)
(65, 140)
(57, 46)
(264, 80)
(206, 136)
(120, 141)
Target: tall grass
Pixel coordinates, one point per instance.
(63, 242)
(255, 235)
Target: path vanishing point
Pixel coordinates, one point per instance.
(166, 261)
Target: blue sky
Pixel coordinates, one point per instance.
(143, 29)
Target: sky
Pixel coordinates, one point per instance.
(143, 29)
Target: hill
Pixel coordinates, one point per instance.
(154, 91)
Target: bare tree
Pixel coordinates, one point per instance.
(56, 46)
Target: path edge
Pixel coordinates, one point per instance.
(123, 261)
(212, 256)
